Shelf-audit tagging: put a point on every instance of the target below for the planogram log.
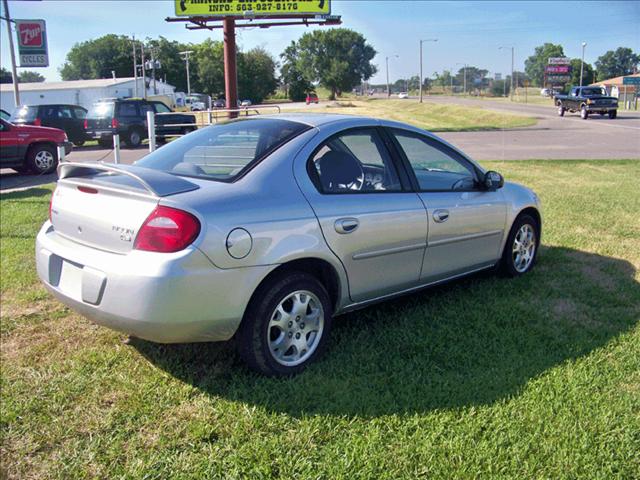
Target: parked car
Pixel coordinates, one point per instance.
(312, 98)
(403, 95)
(195, 103)
(587, 100)
(128, 118)
(245, 103)
(219, 103)
(69, 118)
(265, 228)
(4, 115)
(29, 149)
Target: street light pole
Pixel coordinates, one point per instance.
(512, 63)
(186, 59)
(421, 42)
(584, 44)
(388, 88)
(464, 78)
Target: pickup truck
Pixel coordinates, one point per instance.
(29, 149)
(587, 100)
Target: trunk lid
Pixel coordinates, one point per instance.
(104, 206)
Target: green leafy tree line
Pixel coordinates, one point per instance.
(25, 76)
(100, 57)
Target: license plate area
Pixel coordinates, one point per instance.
(76, 281)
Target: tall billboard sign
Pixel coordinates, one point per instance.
(558, 70)
(32, 43)
(244, 8)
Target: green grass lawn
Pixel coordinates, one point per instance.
(430, 116)
(537, 377)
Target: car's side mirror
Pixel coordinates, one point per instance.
(493, 180)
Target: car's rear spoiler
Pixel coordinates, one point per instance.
(156, 182)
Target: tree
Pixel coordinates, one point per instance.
(617, 63)
(292, 77)
(587, 74)
(534, 65)
(167, 52)
(474, 76)
(340, 59)
(28, 76)
(5, 76)
(209, 68)
(98, 58)
(256, 75)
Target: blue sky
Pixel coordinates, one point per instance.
(467, 32)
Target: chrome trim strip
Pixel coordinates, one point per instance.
(462, 238)
(388, 251)
(356, 306)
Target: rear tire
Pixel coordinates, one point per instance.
(521, 250)
(560, 110)
(613, 114)
(42, 159)
(286, 325)
(78, 143)
(134, 138)
(584, 113)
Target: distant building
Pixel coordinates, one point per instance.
(615, 88)
(78, 92)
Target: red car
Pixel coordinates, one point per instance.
(29, 149)
(312, 98)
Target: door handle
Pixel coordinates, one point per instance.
(346, 225)
(441, 216)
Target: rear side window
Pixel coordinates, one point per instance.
(101, 110)
(352, 162)
(225, 151)
(25, 114)
(127, 109)
(64, 112)
(81, 113)
(161, 107)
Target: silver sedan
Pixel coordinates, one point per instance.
(266, 228)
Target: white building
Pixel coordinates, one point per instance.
(77, 92)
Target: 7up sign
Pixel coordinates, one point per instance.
(32, 43)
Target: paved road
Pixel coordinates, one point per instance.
(553, 137)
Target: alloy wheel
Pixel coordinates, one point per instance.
(524, 248)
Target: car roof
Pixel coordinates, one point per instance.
(317, 119)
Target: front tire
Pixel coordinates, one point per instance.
(613, 114)
(521, 249)
(42, 159)
(584, 113)
(286, 325)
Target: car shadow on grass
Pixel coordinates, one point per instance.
(468, 343)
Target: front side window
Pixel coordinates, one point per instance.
(434, 166)
(354, 161)
(225, 151)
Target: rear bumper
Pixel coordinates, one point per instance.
(99, 133)
(165, 298)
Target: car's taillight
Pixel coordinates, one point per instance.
(37, 122)
(86, 124)
(167, 230)
(115, 123)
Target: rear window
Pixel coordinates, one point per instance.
(223, 152)
(25, 114)
(101, 110)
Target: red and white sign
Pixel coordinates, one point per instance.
(557, 68)
(30, 34)
(32, 43)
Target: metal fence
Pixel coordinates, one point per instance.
(204, 118)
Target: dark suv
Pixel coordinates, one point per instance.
(128, 118)
(69, 118)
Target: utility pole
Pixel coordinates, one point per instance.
(512, 63)
(144, 74)
(421, 42)
(14, 74)
(464, 77)
(135, 68)
(388, 87)
(153, 71)
(584, 44)
(186, 59)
